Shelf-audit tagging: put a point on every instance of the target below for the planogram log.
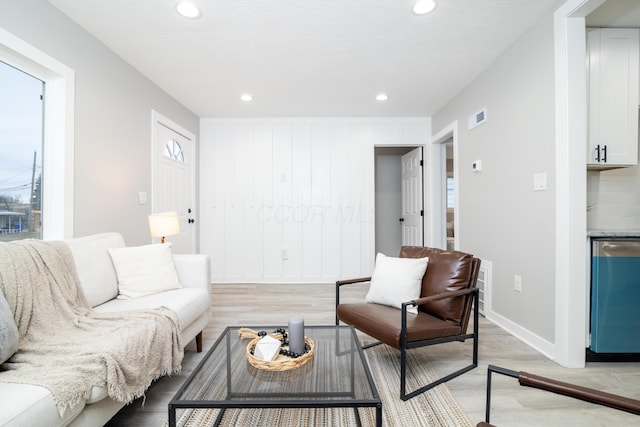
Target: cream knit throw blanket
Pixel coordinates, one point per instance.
(67, 347)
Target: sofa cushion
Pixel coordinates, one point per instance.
(383, 323)
(396, 280)
(31, 405)
(97, 394)
(187, 303)
(9, 335)
(93, 264)
(144, 270)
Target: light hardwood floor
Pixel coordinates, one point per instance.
(512, 405)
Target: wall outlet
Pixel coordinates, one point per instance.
(539, 182)
(517, 283)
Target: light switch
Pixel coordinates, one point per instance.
(539, 182)
(142, 197)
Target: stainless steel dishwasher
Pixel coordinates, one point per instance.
(615, 295)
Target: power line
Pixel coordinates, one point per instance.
(19, 187)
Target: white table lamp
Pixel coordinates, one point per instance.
(164, 224)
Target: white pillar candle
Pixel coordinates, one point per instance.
(296, 335)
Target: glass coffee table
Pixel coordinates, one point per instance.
(337, 376)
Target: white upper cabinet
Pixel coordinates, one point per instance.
(614, 76)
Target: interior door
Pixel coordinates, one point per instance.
(173, 182)
(412, 198)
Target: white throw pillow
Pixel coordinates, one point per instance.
(396, 280)
(144, 270)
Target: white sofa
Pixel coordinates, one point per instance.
(23, 405)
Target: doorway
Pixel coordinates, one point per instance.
(399, 206)
(449, 190)
(173, 179)
(444, 207)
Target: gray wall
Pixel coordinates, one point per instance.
(501, 218)
(113, 104)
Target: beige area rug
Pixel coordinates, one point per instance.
(436, 407)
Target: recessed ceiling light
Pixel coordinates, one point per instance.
(188, 10)
(422, 7)
(382, 97)
(246, 97)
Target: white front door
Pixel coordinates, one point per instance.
(412, 208)
(173, 179)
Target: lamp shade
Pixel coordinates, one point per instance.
(164, 224)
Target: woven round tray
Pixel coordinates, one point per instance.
(280, 363)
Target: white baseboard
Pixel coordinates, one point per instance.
(536, 342)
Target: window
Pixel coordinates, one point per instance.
(450, 193)
(173, 151)
(21, 130)
(57, 132)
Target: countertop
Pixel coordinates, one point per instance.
(613, 233)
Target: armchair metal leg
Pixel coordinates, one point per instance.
(499, 370)
(406, 346)
(403, 372)
(373, 344)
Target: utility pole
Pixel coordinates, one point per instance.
(33, 178)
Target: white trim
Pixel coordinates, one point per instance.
(571, 139)
(314, 120)
(435, 235)
(540, 344)
(58, 158)
(163, 120)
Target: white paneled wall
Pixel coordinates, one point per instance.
(292, 200)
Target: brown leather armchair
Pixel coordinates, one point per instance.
(444, 308)
(566, 389)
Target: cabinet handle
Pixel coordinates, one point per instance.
(601, 150)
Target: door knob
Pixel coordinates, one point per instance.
(191, 220)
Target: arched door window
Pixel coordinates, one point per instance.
(173, 151)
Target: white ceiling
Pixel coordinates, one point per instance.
(308, 57)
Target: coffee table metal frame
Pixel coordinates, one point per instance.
(256, 399)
